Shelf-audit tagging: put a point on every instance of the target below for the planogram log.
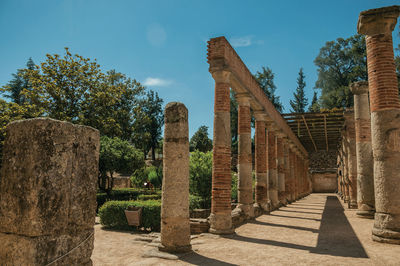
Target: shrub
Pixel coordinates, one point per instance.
(234, 189)
(149, 197)
(112, 214)
(201, 174)
(124, 194)
(196, 202)
(149, 173)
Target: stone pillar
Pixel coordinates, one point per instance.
(351, 157)
(377, 25)
(262, 195)
(365, 177)
(346, 198)
(272, 169)
(220, 218)
(280, 167)
(286, 185)
(245, 190)
(48, 193)
(292, 173)
(175, 223)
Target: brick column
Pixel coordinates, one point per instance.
(245, 190)
(377, 25)
(175, 222)
(272, 168)
(351, 158)
(296, 174)
(262, 195)
(280, 167)
(220, 218)
(291, 173)
(365, 177)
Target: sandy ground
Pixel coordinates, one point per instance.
(316, 230)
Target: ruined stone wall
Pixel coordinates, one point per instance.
(324, 182)
(323, 160)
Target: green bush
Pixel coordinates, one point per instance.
(200, 174)
(196, 202)
(124, 194)
(234, 189)
(112, 214)
(149, 197)
(150, 173)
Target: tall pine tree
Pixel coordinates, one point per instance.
(12, 90)
(300, 101)
(314, 107)
(265, 79)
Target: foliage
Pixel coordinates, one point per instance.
(200, 174)
(147, 173)
(148, 123)
(112, 214)
(339, 63)
(314, 107)
(197, 202)
(265, 79)
(116, 155)
(12, 90)
(200, 140)
(300, 101)
(73, 88)
(234, 186)
(149, 197)
(124, 194)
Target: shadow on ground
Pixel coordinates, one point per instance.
(336, 237)
(197, 259)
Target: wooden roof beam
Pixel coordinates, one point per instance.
(309, 133)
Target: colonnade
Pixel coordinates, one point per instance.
(376, 149)
(281, 162)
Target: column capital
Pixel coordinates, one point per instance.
(378, 21)
(243, 99)
(260, 116)
(222, 76)
(270, 125)
(280, 134)
(359, 87)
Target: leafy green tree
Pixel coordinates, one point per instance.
(200, 173)
(12, 90)
(116, 155)
(314, 107)
(265, 79)
(300, 101)
(200, 140)
(148, 123)
(73, 88)
(340, 63)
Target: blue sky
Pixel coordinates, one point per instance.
(162, 44)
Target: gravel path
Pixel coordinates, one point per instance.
(316, 230)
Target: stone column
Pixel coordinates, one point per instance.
(351, 157)
(245, 190)
(220, 218)
(365, 177)
(346, 198)
(262, 195)
(292, 173)
(175, 223)
(377, 25)
(286, 185)
(48, 193)
(272, 169)
(280, 167)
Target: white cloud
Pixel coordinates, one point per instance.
(241, 41)
(156, 35)
(157, 82)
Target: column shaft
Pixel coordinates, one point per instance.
(261, 166)
(272, 169)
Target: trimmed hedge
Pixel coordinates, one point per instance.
(112, 214)
(149, 197)
(124, 194)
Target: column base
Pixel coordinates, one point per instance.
(221, 224)
(247, 209)
(385, 236)
(180, 249)
(365, 211)
(352, 205)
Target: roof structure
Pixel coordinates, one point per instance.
(317, 131)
